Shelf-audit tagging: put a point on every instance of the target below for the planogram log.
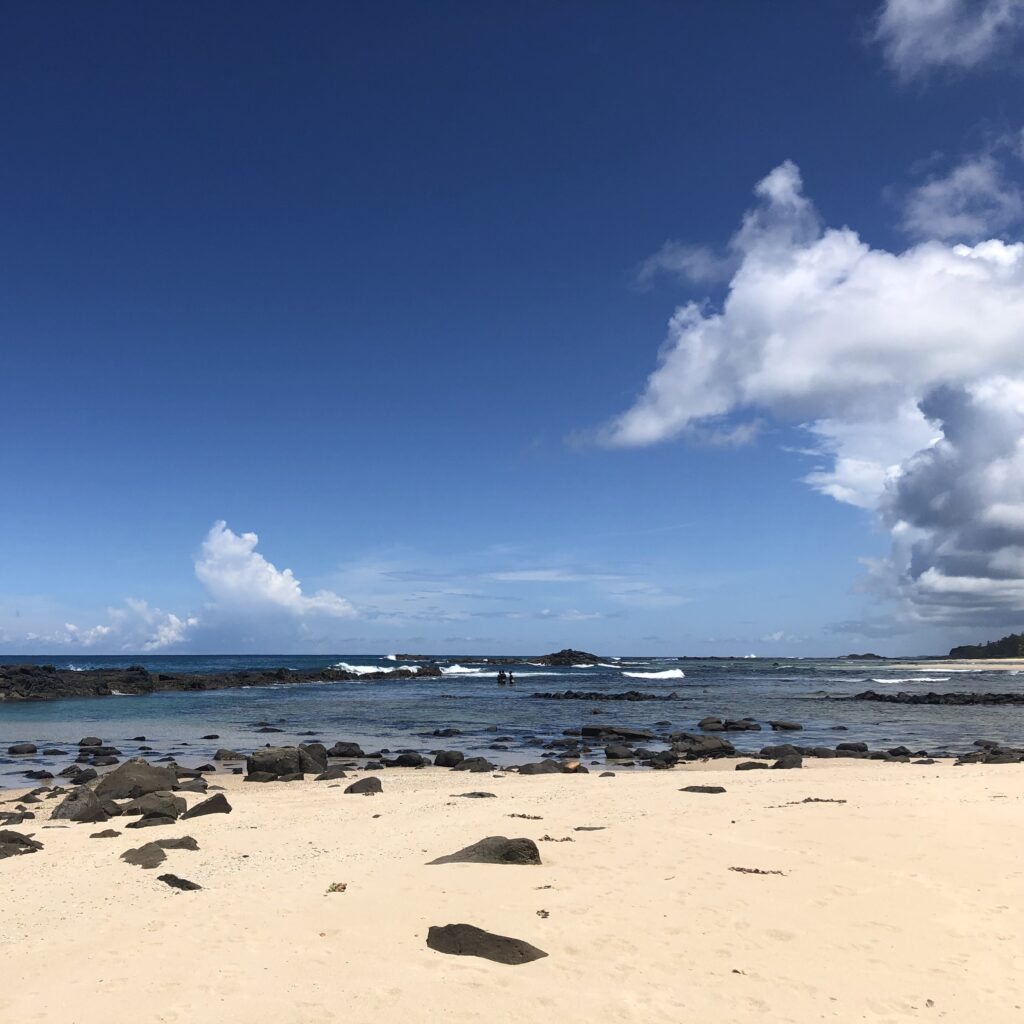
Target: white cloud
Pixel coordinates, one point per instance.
(918, 36)
(237, 576)
(974, 200)
(691, 263)
(862, 347)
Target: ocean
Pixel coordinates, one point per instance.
(402, 714)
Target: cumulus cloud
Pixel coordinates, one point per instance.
(249, 602)
(864, 348)
(238, 576)
(919, 36)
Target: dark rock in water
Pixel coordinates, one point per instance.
(269, 728)
(856, 747)
(789, 761)
(474, 764)
(607, 775)
(81, 804)
(212, 736)
(138, 739)
(822, 752)
(14, 844)
(746, 766)
(156, 803)
(148, 856)
(346, 750)
(953, 699)
(54, 752)
(260, 777)
(408, 760)
(702, 789)
(91, 741)
(179, 883)
(785, 726)
(449, 758)
(228, 755)
(617, 751)
(546, 767)
(183, 843)
(216, 804)
(447, 732)
(369, 786)
(694, 746)
(616, 732)
(312, 757)
(107, 833)
(567, 658)
(494, 850)
(274, 761)
(336, 771)
(467, 940)
(593, 695)
(105, 762)
(22, 748)
(135, 778)
(663, 759)
(475, 795)
(38, 775)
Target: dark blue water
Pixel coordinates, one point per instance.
(399, 714)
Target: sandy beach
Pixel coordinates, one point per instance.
(905, 902)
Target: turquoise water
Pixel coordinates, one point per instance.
(399, 714)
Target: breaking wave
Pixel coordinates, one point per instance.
(669, 673)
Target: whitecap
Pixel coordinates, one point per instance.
(359, 670)
(915, 679)
(669, 673)
(460, 670)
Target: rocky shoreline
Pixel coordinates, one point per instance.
(46, 682)
(958, 699)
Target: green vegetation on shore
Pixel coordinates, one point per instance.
(1011, 646)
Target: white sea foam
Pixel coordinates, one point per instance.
(460, 670)
(669, 673)
(915, 679)
(359, 670)
(392, 657)
(603, 664)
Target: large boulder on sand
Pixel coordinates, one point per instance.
(312, 757)
(274, 761)
(467, 940)
(216, 804)
(494, 850)
(135, 778)
(81, 804)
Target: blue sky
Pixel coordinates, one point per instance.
(375, 293)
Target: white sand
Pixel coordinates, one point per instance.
(905, 903)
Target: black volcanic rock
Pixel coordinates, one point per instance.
(45, 682)
(216, 804)
(179, 883)
(468, 940)
(958, 699)
(494, 850)
(566, 658)
(135, 778)
(368, 786)
(14, 844)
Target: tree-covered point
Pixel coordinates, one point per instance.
(1011, 646)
